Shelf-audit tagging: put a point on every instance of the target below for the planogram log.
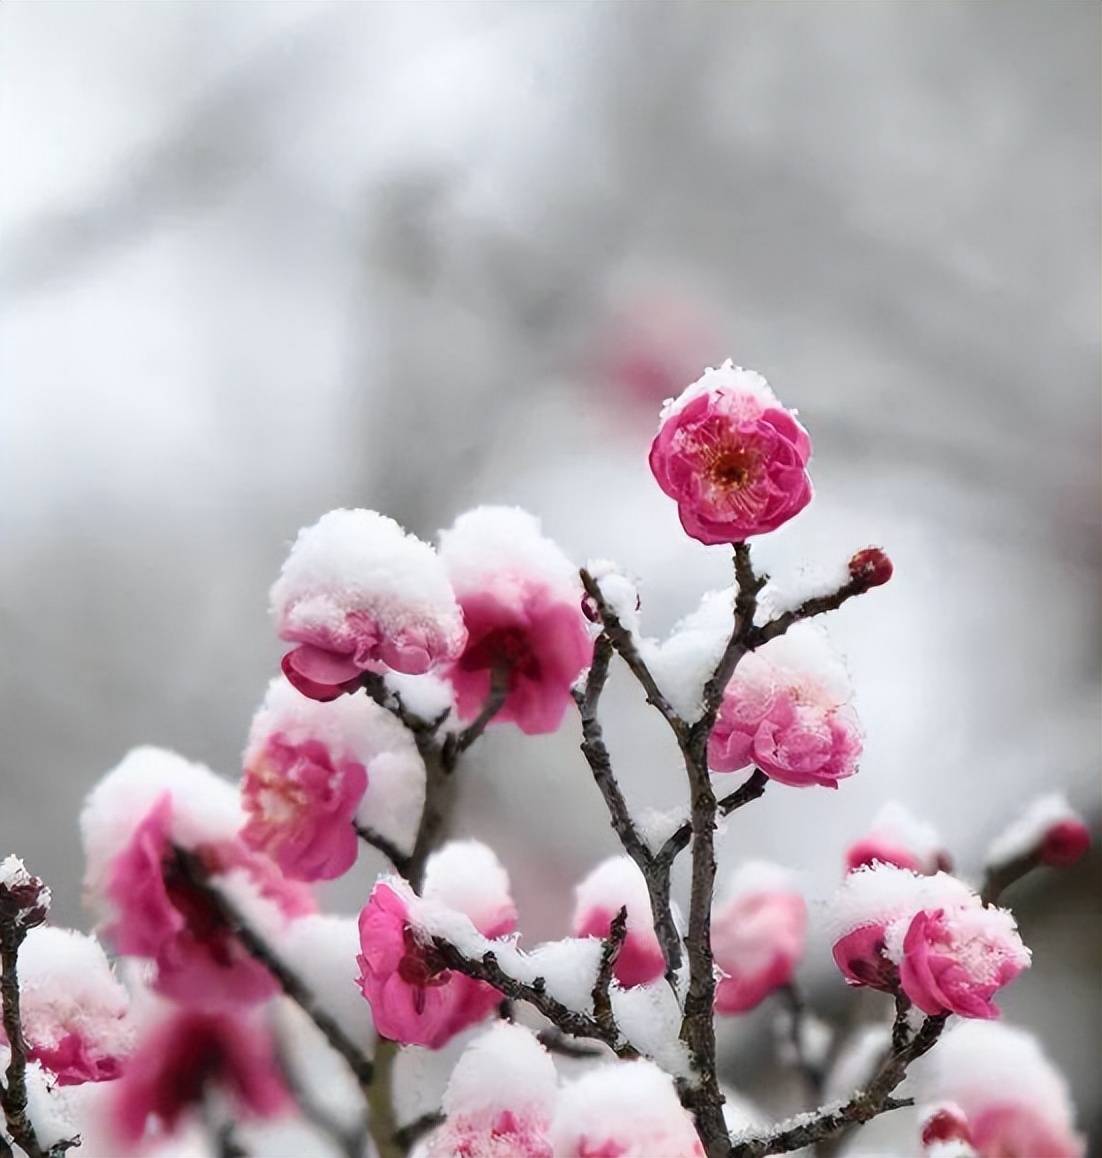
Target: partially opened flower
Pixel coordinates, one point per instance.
(522, 606)
(758, 935)
(992, 1087)
(733, 458)
(499, 1100)
(356, 594)
(896, 837)
(787, 710)
(74, 1010)
(184, 1059)
(614, 884)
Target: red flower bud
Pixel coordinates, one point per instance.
(1064, 843)
(871, 567)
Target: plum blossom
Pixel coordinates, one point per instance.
(896, 837)
(356, 594)
(522, 607)
(733, 458)
(990, 1086)
(1048, 831)
(415, 999)
(75, 1012)
(954, 959)
(151, 804)
(182, 1059)
(613, 884)
(623, 1110)
(757, 936)
(787, 710)
(499, 1100)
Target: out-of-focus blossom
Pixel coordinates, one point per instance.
(356, 594)
(787, 710)
(614, 884)
(896, 837)
(522, 606)
(733, 458)
(1049, 831)
(757, 936)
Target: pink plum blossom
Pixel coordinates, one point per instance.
(896, 837)
(357, 594)
(615, 883)
(732, 457)
(521, 602)
(186, 1057)
(1048, 831)
(757, 936)
(953, 960)
(787, 711)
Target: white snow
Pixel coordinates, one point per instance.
(656, 826)
(467, 876)
(427, 696)
(986, 925)
(14, 875)
(897, 827)
(725, 378)
(880, 893)
(619, 591)
(650, 1019)
(611, 885)
(505, 1068)
(359, 560)
(1026, 833)
(758, 876)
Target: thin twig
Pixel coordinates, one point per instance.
(610, 951)
(816, 605)
(370, 836)
(797, 1014)
(456, 745)
(555, 1042)
(750, 789)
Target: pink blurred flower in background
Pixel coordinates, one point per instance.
(896, 837)
(613, 884)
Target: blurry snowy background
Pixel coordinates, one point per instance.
(259, 260)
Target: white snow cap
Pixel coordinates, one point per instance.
(356, 728)
(978, 1064)
(994, 926)
(632, 1104)
(897, 827)
(15, 875)
(506, 547)
(759, 876)
(466, 876)
(725, 378)
(322, 948)
(619, 592)
(505, 1068)
(359, 560)
(1026, 833)
(880, 893)
(614, 883)
(205, 808)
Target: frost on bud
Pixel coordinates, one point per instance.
(1048, 831)
(871, 567)
(357, 594)
(24, 899)
(732, 457)
(896, 837)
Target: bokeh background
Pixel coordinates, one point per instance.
(259, 260)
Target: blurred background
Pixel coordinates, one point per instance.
(260, 260)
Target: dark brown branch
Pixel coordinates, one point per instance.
(747, 586)
(610, 951)
(750, 789)
(816, 605)
(998, 878)
(562, 1017)
(456, 745)
(370, 836)
(194, 872)
(554, 1042)
(422, 731)
(797, 1014)
(412, 1132)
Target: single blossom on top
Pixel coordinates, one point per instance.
(758, 936)
(787, 710)
(522, 606)
(614, 884)
(357, 594)
(896, 837)
(733, 458)
(183, 1060)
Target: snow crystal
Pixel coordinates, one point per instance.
(427, 696)
(656, 826)
(612, 884)
(650, 1018)
(879, 893)
(727, 377)
(619, 592)
(505, 1068)
(1027, 832)
(972, 924)
(811, 582)
(322, 948)
(466, 875)
(359, 560)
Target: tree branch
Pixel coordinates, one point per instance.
(797, 1014)
(455, 746)
(816, 605)
(385, 845)
(610, 951)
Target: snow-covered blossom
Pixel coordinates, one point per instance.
(733, 458)
(614, 884)
(74, 1010)
(499, 1100)
(24, 898)
(136, 817)
(991, 1086)
(757, 935)
(356, 594)
(522, 606)
(896, 837)
(1049, 831)
(953, 960)
(623, 1110)
(183, 1059)
(414, 997)
(787, 710)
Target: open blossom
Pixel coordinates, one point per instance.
(733, 458)
(74, 1010)
(896, 837)
(623, 1110)
(614, 884)
(787, 710)
(151, 804)
(184, 1059)
(1048, 831)
(415, 999)
(356, 594)
(757, 936)
(954, 959)
(499, 1100)
(990, 1086)
(521, 601)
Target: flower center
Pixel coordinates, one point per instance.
(421, 965)
(731, 466)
